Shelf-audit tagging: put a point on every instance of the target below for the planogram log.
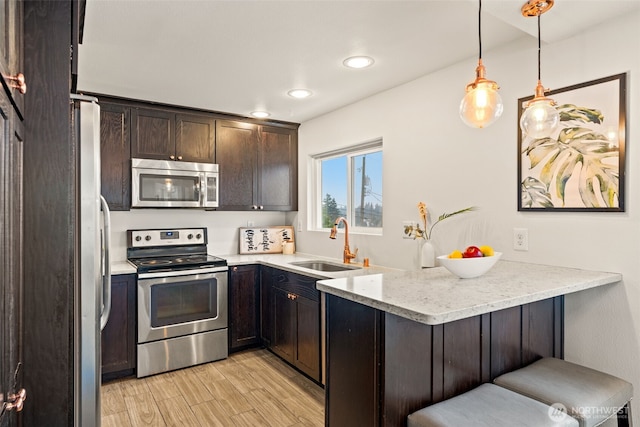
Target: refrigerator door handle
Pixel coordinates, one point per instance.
(106, 266)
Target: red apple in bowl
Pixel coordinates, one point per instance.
(472, 252)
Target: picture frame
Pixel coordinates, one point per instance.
(264, 240)
(581, 167)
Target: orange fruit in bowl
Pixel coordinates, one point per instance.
(487, 250)
(455, 254)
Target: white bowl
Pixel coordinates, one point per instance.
(466, 268)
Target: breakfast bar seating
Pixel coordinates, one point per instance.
(589, 396)
(489, 406)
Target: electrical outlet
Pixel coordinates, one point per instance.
(250, 223)
(521, 239)
(299, 225)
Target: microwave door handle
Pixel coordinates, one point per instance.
(106, 260)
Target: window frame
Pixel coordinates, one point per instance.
(315, 185)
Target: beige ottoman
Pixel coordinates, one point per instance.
(589, 396)
(489, 406)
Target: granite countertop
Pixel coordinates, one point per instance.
(283, 262)
(279, 261)
(435, 296)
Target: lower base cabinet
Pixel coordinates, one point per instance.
(119, 334)
(382, 367)
(293, 311)
(244, 306)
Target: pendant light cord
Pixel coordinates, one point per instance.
(479, 29)
(539, 48)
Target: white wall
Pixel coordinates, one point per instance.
(222, 227)
(431, 156)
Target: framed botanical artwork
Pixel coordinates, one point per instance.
(581, 167)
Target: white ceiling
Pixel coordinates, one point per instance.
(238, 56)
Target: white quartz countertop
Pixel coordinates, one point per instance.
(283, 262)
(435, 296)
(122, 267)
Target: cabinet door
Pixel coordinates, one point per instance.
(153, 135)
(307, 354)
(11, 62)
(266, 305)
(244, 306)
(284, 325)
(236, 144)
(115, 157)
(195, 138)
(277, 169)
(118, 336)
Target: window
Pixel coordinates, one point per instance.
(348, 183)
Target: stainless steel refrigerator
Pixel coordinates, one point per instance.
(93, 290)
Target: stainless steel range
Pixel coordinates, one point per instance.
(182, 299)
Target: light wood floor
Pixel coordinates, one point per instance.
(251, 388)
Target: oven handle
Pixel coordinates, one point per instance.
(175, 273)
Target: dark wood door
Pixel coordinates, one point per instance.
(266, 305)
(115, 155)
(11, 256)
(244, 306)
(11, 40)
(236, 144)
(195, 138)
(284, 325)
(277, 169)
(119, 334)
(307, 350)
(153, 134)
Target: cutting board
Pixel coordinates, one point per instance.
(264, 240)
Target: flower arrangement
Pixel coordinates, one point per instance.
(422, 230)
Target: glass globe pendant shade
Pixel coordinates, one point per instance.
(482, 104)
(541, 118)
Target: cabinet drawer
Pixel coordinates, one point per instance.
(297, 284)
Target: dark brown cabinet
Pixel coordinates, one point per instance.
(244, 306)
(258, 166)
(167, 135)
(119, 334)
(382, 367)
(115, 155)
(295, 321)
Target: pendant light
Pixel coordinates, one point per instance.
(540, 118)
(482, 105)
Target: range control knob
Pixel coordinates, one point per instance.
(147, 237)
(138, 238)
(190, 236)
(198, 236)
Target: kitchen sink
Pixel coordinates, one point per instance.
(324, 265)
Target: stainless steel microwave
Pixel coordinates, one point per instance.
(173, 184)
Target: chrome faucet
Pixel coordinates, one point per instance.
(347, 255)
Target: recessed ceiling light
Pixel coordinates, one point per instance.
(260, 114)
(358, 62)
(299, 93)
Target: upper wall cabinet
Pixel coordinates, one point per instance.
(165, 135)
(11, 63)
(115, 155)
(258, 166)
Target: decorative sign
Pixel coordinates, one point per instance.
(264, 240)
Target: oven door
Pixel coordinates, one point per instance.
(177, 303)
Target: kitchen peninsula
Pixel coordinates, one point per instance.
(400, 341)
